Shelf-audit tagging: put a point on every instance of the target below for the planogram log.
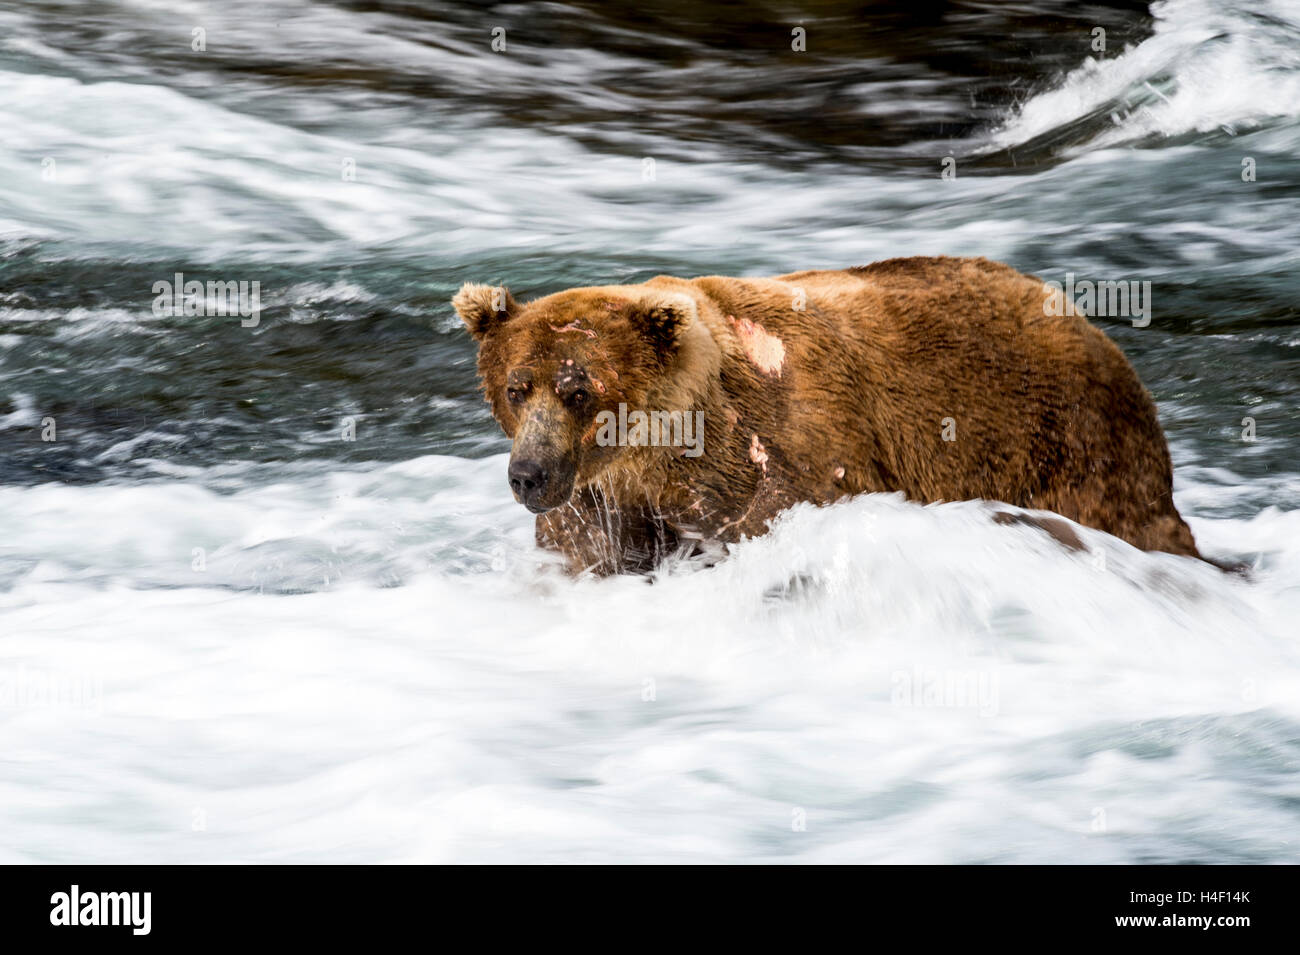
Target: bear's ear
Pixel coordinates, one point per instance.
(483, 307)
(663, 319)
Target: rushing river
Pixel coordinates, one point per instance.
(264, 595)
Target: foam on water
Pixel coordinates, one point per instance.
(229, 183)
(190, 179)
(876, 670)
(1209, 65)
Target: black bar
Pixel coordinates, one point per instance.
(330, 904)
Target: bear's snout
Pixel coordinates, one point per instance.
(528, 482)
(539, 485)
(543, 462)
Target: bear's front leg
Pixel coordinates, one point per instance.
(597, 536)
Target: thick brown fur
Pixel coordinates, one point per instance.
(814, 386)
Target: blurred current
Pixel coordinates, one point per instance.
(228, 634)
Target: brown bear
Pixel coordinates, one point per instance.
(649, 418)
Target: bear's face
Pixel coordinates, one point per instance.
(551, 366)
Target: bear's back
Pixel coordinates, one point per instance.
(948, 379)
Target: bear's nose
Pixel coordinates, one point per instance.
(527, 478)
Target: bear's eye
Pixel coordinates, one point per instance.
(578, 398)
(516, 395)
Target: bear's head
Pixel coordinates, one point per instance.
(550, 367)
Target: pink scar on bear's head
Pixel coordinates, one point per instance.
(764, 350)
(758, 453)
(839, 474)
(573, 326)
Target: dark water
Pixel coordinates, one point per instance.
(234, 181)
